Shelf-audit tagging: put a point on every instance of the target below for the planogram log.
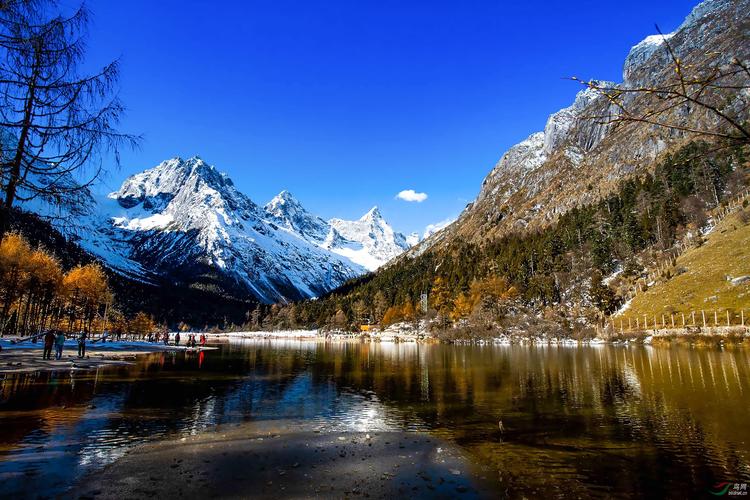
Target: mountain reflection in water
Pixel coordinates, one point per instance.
(604, 420)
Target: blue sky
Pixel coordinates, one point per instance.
(347, 103)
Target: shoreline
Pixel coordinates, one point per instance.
(734, 335)
(272, 459)
(26, 357)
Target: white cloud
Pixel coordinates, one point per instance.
(411, 195)
(434, 228)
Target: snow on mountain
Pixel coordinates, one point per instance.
(183, 220)
(289, 214)
(437, 226)
(413, 239)
(579, 157)
(642, 52)
(369, 241)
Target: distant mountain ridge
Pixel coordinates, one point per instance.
(186, 221)
(369, 242)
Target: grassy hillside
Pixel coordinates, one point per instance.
(700, 282)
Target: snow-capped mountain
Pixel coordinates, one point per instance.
(369, 241)
(186, 221)
(286, 211)
(413, 239)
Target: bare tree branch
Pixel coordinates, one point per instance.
(701, 90)
(54, 122)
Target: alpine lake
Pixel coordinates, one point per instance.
(533, 420)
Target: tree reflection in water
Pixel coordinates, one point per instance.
(575, 420)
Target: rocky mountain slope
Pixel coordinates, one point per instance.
(186, 221)
(570, 221)
(576, 159)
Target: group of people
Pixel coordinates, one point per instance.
(191, 342)
(56, 338)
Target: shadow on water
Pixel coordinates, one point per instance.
(609, 421)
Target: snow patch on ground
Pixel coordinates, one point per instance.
(624, 307)
(277, 334)
(72, 344)
(618, 271)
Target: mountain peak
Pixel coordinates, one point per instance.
(198, 165)
(283, 198)
(156, 186)
(285, 203)
(369, 241)
(285, 210)
(372, 214)
(180, 166)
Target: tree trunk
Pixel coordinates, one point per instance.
(15, 164)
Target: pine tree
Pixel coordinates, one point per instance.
(380, 305)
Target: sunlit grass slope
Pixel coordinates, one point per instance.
(703, 281)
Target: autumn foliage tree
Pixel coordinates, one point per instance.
(36, 294)
(141, 325)
(44, 283)
(408, 312)
(484, 300)
(87, 291)
(440, 297)
(14, 252)
(392, 315)
(462, 307)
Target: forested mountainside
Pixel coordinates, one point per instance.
(566, 227)
(571, 220)
(573, 271)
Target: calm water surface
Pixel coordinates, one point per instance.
(586, 421)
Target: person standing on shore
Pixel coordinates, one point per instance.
(59, 343)
(82, 345)
(49, 339)
(177, 338)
